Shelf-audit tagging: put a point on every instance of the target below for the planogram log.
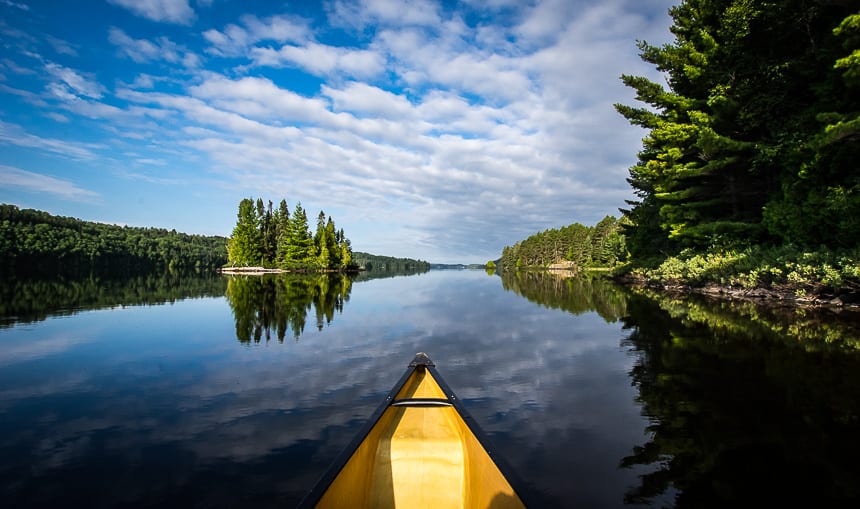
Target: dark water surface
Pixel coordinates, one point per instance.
(219, 392)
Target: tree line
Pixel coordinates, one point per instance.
(33, 241)
(276, 238)
(754, 140)
(389, 264)
(601, 245)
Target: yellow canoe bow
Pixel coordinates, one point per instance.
(419, 449)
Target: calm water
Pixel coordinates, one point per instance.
(173, 391)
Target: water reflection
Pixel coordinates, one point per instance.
(577, 295)
(746, 407)
(34, 299)
(161, 405)
(281, 302)
(382, 271)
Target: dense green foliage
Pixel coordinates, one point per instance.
(602, 245)
(388, 264)
(275, 238)
(803, 273)
(755, 141)
(35, 241)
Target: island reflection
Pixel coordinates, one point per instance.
(277, 303)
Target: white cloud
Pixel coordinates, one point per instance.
(460, 117)
(15, 135)
(35, 182)
(323, 60)
(143, 50)
(143, 81)
(371, 12)
(169, 11)
(17, 5)
(14, 67)
(443, 61)
(57, 117)
(235, 40)
(62, 47)
(364, 99)
(74, 82)
(260, 98)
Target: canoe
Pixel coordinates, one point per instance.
(419, 449)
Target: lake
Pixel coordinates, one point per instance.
(188, 391)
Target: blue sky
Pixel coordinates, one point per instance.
(434, 130)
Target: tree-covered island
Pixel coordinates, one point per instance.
(275, 239)
(748, 180)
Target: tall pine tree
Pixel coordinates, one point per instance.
(733, 132)
(244, 247)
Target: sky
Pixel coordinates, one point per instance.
(442, 131)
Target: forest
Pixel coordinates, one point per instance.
(755, 140)
(378, 263)
(276, 238)
(601, 245)
(748, 171)
(32, 241)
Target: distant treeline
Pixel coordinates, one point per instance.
(377, 263)
(35, 241)
(601, 245)
(275, 238)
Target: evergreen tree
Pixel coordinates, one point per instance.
(245, 244)
(282, 235)
(299, 249)
(334, 248)
(345, 251)
(320, 244)
(735, 143)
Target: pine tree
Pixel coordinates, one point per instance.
(282, 235)
(320, 244)
(244, 247)
(733, 144)
(299, 248)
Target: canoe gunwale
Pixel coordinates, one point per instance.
(420, 362)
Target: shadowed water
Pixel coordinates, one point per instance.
(231, 391)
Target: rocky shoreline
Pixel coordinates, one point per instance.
(781, 296)
(250, 270)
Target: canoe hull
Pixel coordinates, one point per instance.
(418, 451)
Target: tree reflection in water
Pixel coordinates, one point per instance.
(747, 404)
(262, 304)
(743, 410)
(576, 295)
(33, 299)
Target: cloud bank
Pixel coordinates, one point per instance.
(432, 130)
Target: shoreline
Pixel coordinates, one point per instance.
(760, 295)
(250, 270)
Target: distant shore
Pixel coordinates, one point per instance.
(251, 270)
(264, 270)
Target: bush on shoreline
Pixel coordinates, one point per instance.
(784, 268)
